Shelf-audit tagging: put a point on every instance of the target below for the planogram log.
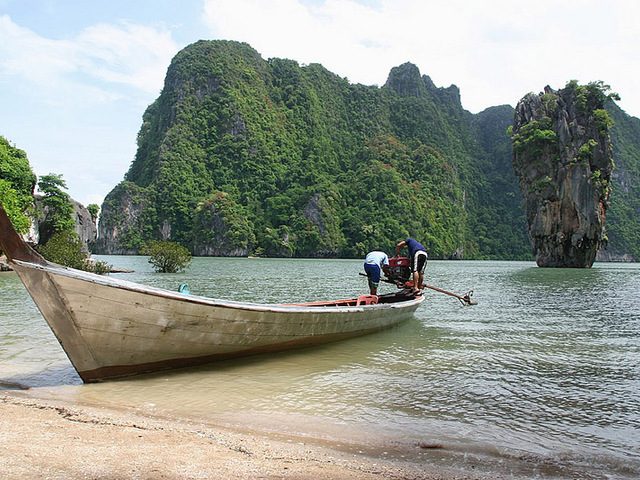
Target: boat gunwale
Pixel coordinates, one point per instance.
(212, 302)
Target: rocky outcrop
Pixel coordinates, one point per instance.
(85, 224)
(405, 80)
(323, 167)
(318, 212)
(563, 158)
(122, 220)
(216, 238)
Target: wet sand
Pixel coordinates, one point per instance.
(54, 440)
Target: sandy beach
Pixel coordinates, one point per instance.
(53, 440)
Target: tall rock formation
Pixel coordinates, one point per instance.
(84, 224)
(122, 220)
(562, 156)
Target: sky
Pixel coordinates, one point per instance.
(77, 75)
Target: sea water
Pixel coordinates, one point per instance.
(540, 379)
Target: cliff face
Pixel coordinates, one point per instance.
(562, 156)
(85, 226)
(623, 214)
(227, 231)
(121, 221)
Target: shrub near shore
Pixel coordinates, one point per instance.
(65, 248)
(167, 257)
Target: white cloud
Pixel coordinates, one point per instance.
(36, 59)
(287, 28)
(75, 104)
(496, 51)
(131, 54)
(125, 54)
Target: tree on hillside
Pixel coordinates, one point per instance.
(66, 248)
(93, 210)
(58, 209)
(59, 242)
(17, 182)
(14, 205)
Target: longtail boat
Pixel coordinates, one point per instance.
(110, 327)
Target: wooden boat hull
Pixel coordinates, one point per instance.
(111, 328)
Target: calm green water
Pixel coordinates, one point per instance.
(540, 379)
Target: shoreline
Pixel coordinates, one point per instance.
(56, 440)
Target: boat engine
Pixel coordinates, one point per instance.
(399, 271)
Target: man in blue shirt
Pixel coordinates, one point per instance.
(374, 263)
(417, 260)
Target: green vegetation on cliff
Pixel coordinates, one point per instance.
(498, 222)
(243, 155)
(17, 182)
(623, 216)
(57, 208)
